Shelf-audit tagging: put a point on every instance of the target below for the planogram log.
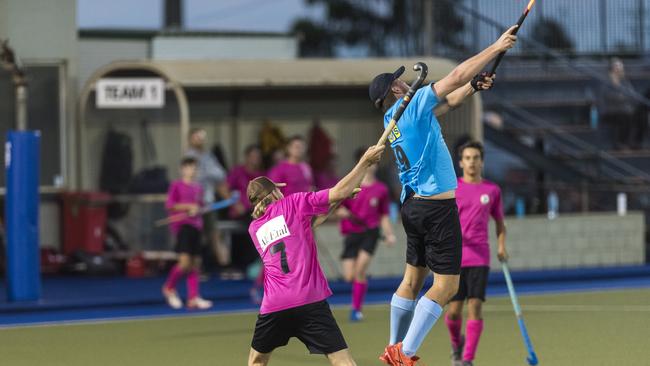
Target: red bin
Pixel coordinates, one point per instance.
(84, 221)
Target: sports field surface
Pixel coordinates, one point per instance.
(591, 328)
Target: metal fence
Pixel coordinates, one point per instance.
(591, 27)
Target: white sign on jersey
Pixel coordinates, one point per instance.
(272, 231)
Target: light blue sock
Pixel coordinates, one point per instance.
(426, 314)
(401, 313)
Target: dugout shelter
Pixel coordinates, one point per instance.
(231, 99)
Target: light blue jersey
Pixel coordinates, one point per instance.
(425, 166)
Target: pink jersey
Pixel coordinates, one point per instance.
(181, 192)
(476, 203)
(238, 179)
(284, 238)
(298, 177)
(366, 208)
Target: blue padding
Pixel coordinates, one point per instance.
(22, 152)
(75, 293)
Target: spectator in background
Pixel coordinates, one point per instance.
(212, 177)
(239, 177)
(616, 108)
(294, 171)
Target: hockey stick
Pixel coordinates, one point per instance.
(532, 357)
(423, 69)
(519, 23)
(212, 207)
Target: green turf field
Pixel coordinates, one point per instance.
(608, 328)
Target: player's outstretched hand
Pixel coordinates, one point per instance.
(507, 40)
(373, 154)
(483, 81)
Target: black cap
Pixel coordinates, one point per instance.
(381, 84)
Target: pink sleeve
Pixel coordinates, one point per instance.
(172, 197)
(384, 202)
(313, 203)
(497, 208)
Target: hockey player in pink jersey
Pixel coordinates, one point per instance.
(295, 288)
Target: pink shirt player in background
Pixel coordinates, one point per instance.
(478, 199)
(362, 217)
(186, 196)
(294, 171)
(295, 288)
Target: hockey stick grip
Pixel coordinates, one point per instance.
(514, 32)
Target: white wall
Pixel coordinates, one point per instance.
(227, 47)
(571, 241)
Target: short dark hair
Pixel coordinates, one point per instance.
(471, 145)
(188, 160)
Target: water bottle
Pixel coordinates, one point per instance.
(520, 207)
(553, 205)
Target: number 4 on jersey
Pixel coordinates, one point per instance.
(280, 247)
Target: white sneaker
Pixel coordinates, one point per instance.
(172, 298)
(199, 303)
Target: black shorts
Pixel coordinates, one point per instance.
(433, 234)
(313, 324)
(188, 240)
(473, 283)
(354, 242)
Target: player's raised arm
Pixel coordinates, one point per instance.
(464, 72)
(349, 185)
(480, 82)
(346, 186)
